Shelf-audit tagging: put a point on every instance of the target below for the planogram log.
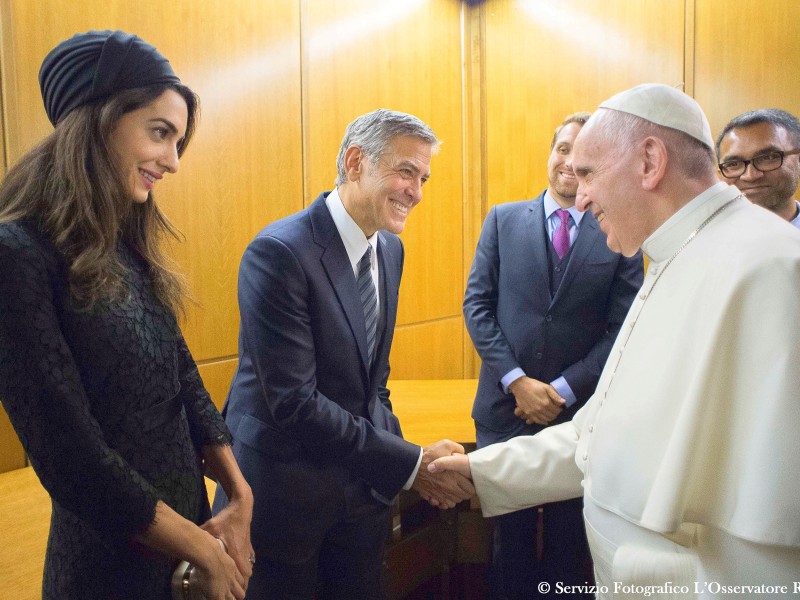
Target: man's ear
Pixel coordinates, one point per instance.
(654, 162)
(354, 163)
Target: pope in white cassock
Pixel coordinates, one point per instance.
(687, 454)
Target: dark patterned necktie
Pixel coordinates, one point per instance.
(369, 300)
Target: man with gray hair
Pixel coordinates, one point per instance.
(686, 455)
(758, 153)
(308, 407)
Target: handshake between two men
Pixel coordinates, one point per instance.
(442, 479)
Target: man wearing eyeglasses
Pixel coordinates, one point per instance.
(686, 455)
(758, 153)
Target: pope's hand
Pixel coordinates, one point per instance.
(458, 463)
(444, 490)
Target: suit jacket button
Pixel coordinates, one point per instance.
(538, 356)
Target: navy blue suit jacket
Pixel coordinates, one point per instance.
(516, 321)
(307, 413)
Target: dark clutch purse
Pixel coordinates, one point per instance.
(184, 581)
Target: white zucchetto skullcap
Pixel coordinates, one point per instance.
(666, 106)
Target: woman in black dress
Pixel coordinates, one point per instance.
(94, 372)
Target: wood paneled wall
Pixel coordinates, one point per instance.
(581, 53)
(746, 56)
(280, 79)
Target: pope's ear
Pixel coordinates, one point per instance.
(654, 163)
(354, 162)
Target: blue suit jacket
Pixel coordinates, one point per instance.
(307, 413)
(515, 321)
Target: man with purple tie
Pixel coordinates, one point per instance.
(544, 302)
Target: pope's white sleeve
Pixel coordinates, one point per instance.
(528, 470)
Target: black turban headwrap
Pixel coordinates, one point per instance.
(96, 64)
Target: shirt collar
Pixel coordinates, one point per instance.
(551, 206)
(796, 220)
(674, 231)
(355, 242)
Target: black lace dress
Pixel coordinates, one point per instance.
(112, 413)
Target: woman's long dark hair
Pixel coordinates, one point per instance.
(71, 185)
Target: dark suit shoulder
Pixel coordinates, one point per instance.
(516, 207)
(289, 227)
(312, 224)
(298, 230)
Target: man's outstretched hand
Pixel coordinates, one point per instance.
(443, 488)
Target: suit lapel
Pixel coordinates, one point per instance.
(537, 240)
(389, 283)
(588, 235)
(337, 266)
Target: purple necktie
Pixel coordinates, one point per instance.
(561, 236)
